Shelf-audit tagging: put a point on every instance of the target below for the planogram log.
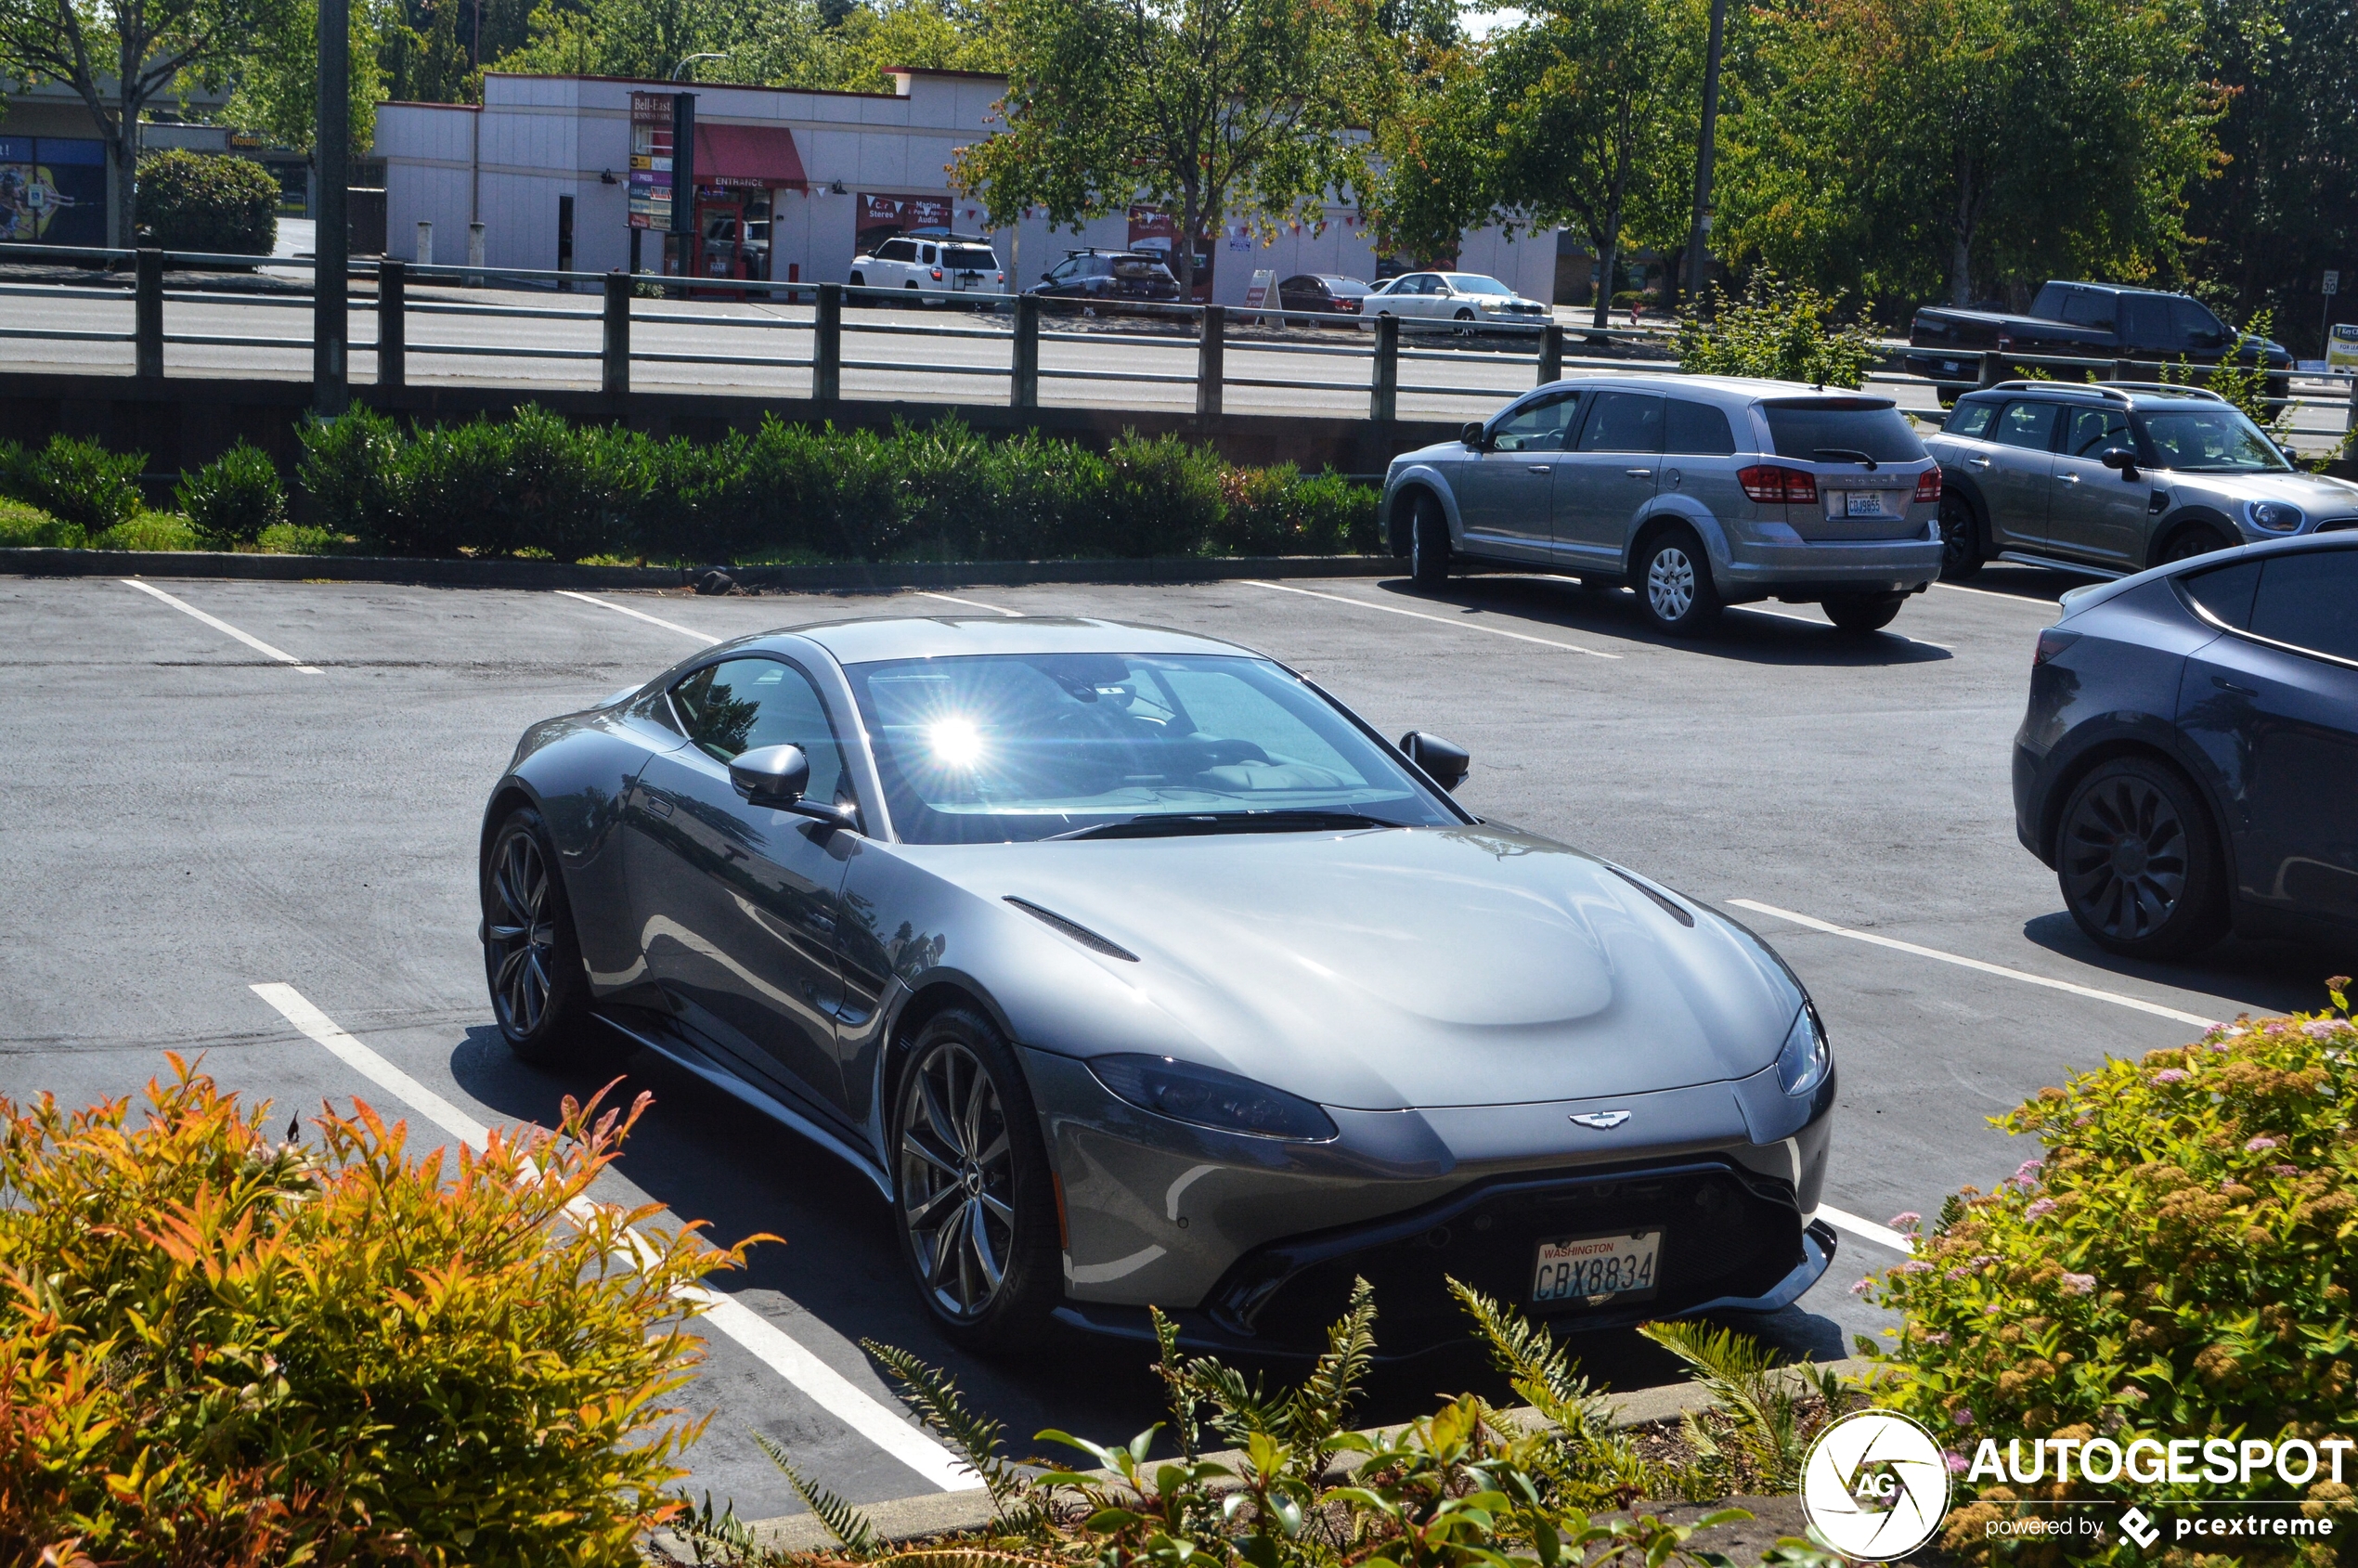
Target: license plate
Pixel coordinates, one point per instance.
(1865, 503)
(1594, 1269)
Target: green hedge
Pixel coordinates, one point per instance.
(208, 201)
(79, 483)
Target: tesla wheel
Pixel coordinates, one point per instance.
(1960, 538)
(539, 992)
(1674, 583)
(1862, 611)
(978, 1217)
(1428, 545)
(2139, 861)
(2195, 538)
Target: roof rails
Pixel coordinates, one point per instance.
(2116, 390)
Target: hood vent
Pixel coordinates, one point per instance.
(1684, 918)
(1080, 933)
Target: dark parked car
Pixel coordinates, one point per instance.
(1108, 277)
(2083, 320)
(2189, 759)
(1317, 293)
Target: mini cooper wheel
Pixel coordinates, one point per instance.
(1960, 538)
(1428, 545)
(1674, 583)
(531, 957)
(2138, 862)
(977, 1217)
(2195, 538)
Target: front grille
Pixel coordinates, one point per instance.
(2336, 524)
(1725, 1233)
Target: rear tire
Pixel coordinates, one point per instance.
(1429, 550)
(1862, 611)
(531, 956)
(1960, 538)
(1674, 583)
(2137, 858)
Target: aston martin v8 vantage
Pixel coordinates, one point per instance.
(1135, 969)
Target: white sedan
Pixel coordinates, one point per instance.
(1466, 299)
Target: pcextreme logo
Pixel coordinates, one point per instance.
(1876, 1485)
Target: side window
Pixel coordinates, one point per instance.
(2031, 426)
(740, 704)
(2193, 327)
(2089, 307)
(2224, 592)
(1538, 426)
(2144, 320)
(1424, 283)
(2092, 431)
(1698, 429)
(2304, 599)
(1062, 271)
(1623, 421)
(925, 254)
(896, 249)
(1971, 421)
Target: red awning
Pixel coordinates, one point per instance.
(761, 156)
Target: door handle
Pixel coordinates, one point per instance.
(2226, 685)
(2067, 478)
(1978, 463)
(1639, 473)
(1538, 468)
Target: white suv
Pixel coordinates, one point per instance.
(936, 267)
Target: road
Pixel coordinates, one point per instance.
(191, 818)
(950, 355)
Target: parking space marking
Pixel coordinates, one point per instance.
(2009, 598)
(2005, 971)
(1813, 620)
(1865, 1230)
(257, 643)
(1419, 615)
(970, 603)
(639, 616)
(771, 1345)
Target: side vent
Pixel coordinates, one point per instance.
(1684, 917)
(1079, 933)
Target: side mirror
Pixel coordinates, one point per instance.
(771, 775)
(1445, 764)
(1472, 436)
(2120, 457)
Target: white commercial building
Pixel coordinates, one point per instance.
(789, 185)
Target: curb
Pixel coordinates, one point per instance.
(935, 1513)
(849, 576)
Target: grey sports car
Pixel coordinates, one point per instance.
(1133, 968)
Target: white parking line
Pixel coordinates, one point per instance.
(2009, 598)
(970, 603)
(1865, 1230)
(639, 616)
(1421, 616)
(2116, 998)
(849, 1404)
(1826, 625)
(257, 643)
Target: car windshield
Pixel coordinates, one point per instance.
(971, 257)
(2211, 440)
(1000, 749)
(1812, 428)
(1473, 283)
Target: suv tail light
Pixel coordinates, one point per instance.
(1928, 484)
(2052, 641)
(1770, 484)
(936, 275)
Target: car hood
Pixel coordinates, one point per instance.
(1394, 968)
(1440, 451)
(2317, 494)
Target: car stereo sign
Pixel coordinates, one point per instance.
(649, 160)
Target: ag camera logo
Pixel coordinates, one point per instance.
(1876, 1485)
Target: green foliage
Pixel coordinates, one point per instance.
(219, 1348)
(343, 466)
(208, 201)
(1764, 1416)
(1785, 332)
(1585, 1461)
(2178, 1264)
(74, 481)
(149, 530)
(274, 91)
(234, 498)
(24, 526)
(1277, 511)
(2240, 377)
(299, 538)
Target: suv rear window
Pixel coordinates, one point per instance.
(1138, 266)
(1803, 429)
(971, 258)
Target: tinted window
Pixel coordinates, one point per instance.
(2305, 600)
(2089, 307)
(2223, 592)
(2031, 426)
(1623, 421)
(2144, 320)
(1971, 420)
(2193, 327)
(2092, 431)
(970, 258)
(897, 249)
(1697, 428)
(1539, 426)
(1850, 424)
(740, 704)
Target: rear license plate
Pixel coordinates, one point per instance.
(1866, 503)
(1593, 1270)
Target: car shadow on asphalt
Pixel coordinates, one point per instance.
(2267, 977)
(1757, 637)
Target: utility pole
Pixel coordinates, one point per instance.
(331, 322)
(1699, 241)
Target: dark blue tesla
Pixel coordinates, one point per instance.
(2189, 760)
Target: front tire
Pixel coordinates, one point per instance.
(1960, 538)
(531, 957)
(1674, 583)
(975, 1208)
(1862, 611)
(2195, 538)
(2139, 863)
(1429, 550)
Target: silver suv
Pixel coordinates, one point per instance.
(2112, 478)
(1698, 491)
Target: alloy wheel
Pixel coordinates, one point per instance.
(520, 932)
(2191, 543)
(2125, 857)
(1670, 583)
(957, 1179)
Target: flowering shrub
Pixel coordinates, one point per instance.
(2178, 1264)
(1784, 330)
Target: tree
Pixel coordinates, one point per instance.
(275, 91)
(1214, 109)
(118, 54)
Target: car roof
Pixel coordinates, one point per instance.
(868, 639)
(2093, 594)
(2134, 394)
(1747, 388)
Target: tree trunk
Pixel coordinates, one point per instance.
(1962, 226)
(1611, 236)
(124, 148)
(1182, 245)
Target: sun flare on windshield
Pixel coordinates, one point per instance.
(955, 742)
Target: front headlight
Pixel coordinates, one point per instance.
(1807, 1059)
(1206, 1097)
(2277, 517)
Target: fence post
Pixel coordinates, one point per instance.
(147, 314)
(826, 345)
(2124, 370)
(425, 243)
(1210, 353)
(1383, 402)
(474, 255)
(393, 328)
(1993, 367)
(616, 381)
(1025, 393)
(1552, 353)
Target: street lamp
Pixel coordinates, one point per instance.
(680, 72)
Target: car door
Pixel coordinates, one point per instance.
(1505, 492)
(2093, 513)
(1604, 485)
(1699, 458)
(736, 904)
(2014, 467)
(2273, 704)
(1412, 296)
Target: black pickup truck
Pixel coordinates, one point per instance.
(2081, 320)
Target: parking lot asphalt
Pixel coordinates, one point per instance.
(190, 816)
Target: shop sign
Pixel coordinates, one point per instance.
(649, 160)
(903, 214)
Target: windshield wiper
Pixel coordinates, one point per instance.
(1174, 824)
(1847, 454)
